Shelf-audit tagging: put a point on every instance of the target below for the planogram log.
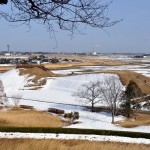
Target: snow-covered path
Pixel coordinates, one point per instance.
(12, 135)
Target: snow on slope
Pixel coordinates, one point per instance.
(13, 81)
(57, 90)
(57, 93)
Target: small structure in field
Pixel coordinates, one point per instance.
(56, 111)
(26, 107)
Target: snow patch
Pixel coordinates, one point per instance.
(101, 138)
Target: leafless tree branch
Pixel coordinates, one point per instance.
(66, 14)
(89, 92)
(111, 91)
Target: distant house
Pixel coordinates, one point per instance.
(12, 61)
(3, 61)
(54, 60)
(94, 53)
(45, 60)
(138, 56)
(7, 54)
(34, 61)
(147, 56)
(41, 57)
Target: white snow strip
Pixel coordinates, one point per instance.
(12, 135)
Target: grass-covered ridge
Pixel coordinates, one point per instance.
(29, 118)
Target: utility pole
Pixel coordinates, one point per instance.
(8, 48)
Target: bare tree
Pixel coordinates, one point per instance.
(16, 99)
(3, 96)
(111, 92)
(67, 14)
(89, 93)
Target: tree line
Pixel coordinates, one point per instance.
(112, 92)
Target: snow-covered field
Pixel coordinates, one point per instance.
(143, 69)
(57, 89)
(57, 93)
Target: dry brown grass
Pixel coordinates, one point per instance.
(126, 76)
(39, 75)
(38, 72)
(86, 62)
(6, 68)
(106, 62)
(29, 118)
(142, 119)
(32, 144)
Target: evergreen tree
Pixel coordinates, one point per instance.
(132, 91)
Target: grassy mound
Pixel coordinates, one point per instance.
(142, 119)
(36, 74)
(29, 118)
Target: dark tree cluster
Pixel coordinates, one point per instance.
(130, 101)
(67, 14)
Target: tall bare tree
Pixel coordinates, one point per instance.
(89, 93)
(67, 14)
(111, 92)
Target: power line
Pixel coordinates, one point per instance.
(37, 100)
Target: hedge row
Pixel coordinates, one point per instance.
(75, 131)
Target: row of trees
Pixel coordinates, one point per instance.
(112, 92)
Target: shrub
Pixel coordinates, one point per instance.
(72, 116)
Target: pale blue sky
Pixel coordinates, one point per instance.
(130, 35)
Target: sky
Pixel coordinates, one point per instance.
(132, 35)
